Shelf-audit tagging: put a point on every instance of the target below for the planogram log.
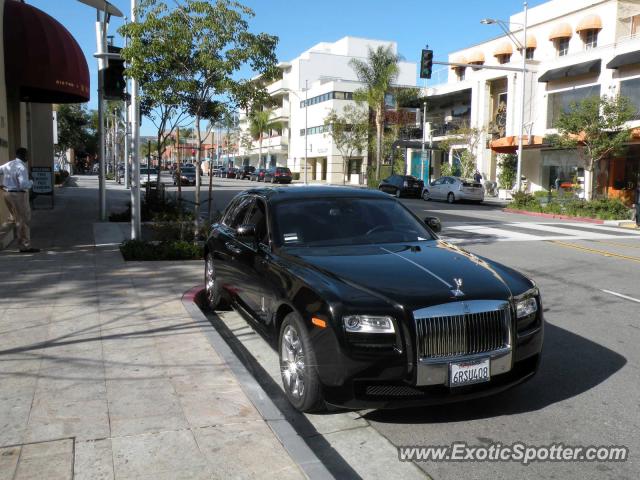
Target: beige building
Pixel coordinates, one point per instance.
(40, 64)
(574, 49)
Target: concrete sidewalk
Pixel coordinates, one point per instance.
(105, 375)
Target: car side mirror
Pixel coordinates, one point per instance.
(246, 234)
(433, 223)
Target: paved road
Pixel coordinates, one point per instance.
(587, 390)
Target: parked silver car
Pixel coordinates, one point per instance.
(453, 189)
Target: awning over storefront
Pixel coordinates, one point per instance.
(510, 144)
(631, 58)
(476, 57)
(504, 48)
(562, 30)
(592, 66)
(590, 22)
(42, 60)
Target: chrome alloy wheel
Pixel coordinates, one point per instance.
(293, 366)
(210, 279)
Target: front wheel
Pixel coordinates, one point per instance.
(451, 197)
(212, 289)
(425, 196)
(297, 366)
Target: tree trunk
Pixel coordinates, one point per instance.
(196, 206)
(379, 135)
(260, 152)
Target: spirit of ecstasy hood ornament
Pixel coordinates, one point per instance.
(457, 292)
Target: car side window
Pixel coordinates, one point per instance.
(228, 213)
(258, 217)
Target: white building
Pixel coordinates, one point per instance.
(575, 49)
(313, 84)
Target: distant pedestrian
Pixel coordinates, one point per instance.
(477, 177)
(15, 185)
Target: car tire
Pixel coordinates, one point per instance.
(451, 198)
(212, 290)
(425, 196)
(300, 378)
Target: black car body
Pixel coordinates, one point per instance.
(278, 175)
(402, 186)
(258, 175)
(388, 317)
(246, 171)
(187, 176)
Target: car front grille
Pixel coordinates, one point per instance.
(473, 329)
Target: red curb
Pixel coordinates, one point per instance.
(555, 216)
(193, 294)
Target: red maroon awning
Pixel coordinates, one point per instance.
(42, 60)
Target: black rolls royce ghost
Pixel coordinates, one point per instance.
(365, 305)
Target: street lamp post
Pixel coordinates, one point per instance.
(306, 122)
(522, 46)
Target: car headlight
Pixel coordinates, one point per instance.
(368, 324)
(527, 304)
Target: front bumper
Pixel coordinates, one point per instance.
(395, 380)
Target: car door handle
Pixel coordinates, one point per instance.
(232, 248)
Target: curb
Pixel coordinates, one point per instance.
(296, 447)
(596, 221)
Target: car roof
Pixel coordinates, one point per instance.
(302, 192)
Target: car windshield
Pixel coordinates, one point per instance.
(345, 221)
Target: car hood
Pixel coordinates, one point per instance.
(413, 275)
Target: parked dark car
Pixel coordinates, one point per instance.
(402, 186)
(232, 172)
(366, 307)
(187, 175)
(222, 172)
(246, 171)
(278, 175)
(258, 175)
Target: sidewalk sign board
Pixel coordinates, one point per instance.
(42, 182)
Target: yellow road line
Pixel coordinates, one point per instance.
(616, 244)
(604, 253)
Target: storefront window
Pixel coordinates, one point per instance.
(631, 90)
(560, 102)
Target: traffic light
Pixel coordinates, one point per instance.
(426, 63)
(114, 82)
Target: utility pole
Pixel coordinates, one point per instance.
(101, 41)
(524, 97)
(127, 127)
(306, 128)
(424, 137)
(135, 158)
(178, 174)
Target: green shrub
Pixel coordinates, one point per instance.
(508, 165)
(140, 250)
(603, 209)
(110, 176)
(525, 201)
(295, 175)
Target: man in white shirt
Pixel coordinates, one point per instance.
(15, 185)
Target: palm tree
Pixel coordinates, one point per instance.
(378, 72)
(260, 123)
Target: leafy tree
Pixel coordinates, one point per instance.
(471, 138)
(596, 128)
(205, 45)
(76, 129)
(349, 131)
(260, 123)
(378, 73)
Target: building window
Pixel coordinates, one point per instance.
(460, 73)
(560, 102)
(502, 59)
(529, 52)
(635, 25)
(562, 46)
(631, 90)
(590, 39)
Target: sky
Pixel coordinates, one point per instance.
(445, 26)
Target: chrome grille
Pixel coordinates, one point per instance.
(467, 331)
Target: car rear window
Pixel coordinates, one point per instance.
(283, 170)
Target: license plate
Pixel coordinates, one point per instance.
(468, 373)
